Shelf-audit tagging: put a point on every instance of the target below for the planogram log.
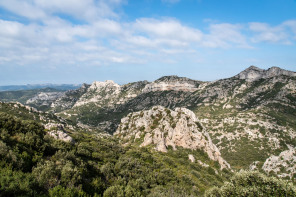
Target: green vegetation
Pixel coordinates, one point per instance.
(246, 151)
(247, 183)
(243, 119)
(22, 112)
(33, 163)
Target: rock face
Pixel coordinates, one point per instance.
(57, 131)
(60, 135)
(164, 127)
(172, 83)
(68, 100)
(109, 93)
(45, 98)
(99, 91)
(253, 73)
(191, 158)
(283, 165)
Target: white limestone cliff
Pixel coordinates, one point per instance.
(99, 91)
(174, 83)
(164, 127)
(164, 86)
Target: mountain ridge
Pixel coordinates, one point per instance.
(249, 117)
(254, 73)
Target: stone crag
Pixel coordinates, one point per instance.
(163, 127)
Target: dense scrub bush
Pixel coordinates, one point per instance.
(17, 183)
(246, 183)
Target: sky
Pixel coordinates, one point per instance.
(81, 41)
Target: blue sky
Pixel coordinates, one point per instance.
(76, 41)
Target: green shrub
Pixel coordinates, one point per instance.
(248, 183)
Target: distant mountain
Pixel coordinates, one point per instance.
(38, 96)
(23, 96)
(39, 86)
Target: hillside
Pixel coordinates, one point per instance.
(34, 162)
(250, 117)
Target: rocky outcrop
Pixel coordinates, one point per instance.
(174, 83)
(253, 73)
(191, 158)
(110, 94)
(68, 100)
(57, 131)
(163, 127)
(283, 165)
(99, 91)
(45, 98)
(60, 135)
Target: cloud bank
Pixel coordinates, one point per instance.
(89, 32)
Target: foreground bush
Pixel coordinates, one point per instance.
(248, 183)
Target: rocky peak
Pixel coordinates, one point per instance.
(275, 71)
(84, 86)
(99, 92)
(163, 127)
(255, 68)
(69, 98)
(174, 78)
(254, 73)
(135, 85)
(98, 85)
(172, 83)
(251, 74)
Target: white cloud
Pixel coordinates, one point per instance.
(225, 35)
(23, 8)
(291, 24)
(107, 27)
(102, 38)
(125, 42)
(265, 33)
(88, 10)
(170, 28)
(10, 28)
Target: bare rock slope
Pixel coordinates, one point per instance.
(174, 83)
(163, 127)
(254, 73)
(283, 165)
